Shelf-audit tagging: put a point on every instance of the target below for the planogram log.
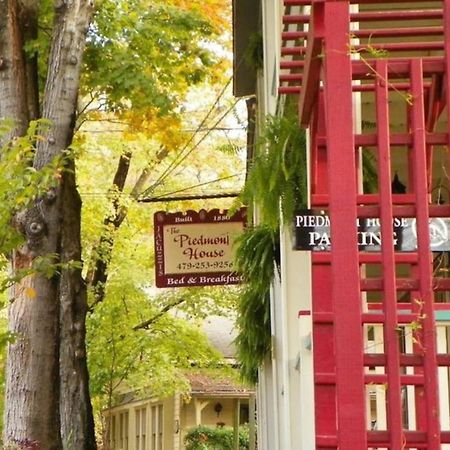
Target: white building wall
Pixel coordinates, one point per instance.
(297, 343)
(266, 409)
(285, 392)
(279, 366)
(267, 397)
(286, 399)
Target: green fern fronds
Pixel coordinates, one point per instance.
(277, 178)
(256, 259)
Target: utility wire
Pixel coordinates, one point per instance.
(188, 197)
(106, 194)
(195, 186)
(216, 129)
(187, 130)
(163, 177)
(176, 162)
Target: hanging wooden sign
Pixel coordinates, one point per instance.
(196, 248)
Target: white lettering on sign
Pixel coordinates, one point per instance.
(222, 279)
(312, 221)
(320, 239)
(175, 281)
(365, 238)
(183, 219)
(316, 221)
(313, 232)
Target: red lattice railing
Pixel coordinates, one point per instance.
(395, 56)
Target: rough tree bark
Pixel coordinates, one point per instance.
(77, 422)
(13, 86)
(47, 397)
(31, 412)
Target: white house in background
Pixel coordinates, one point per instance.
(154, 423)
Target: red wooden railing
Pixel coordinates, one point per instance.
(332, 50)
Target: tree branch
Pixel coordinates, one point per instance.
(98, 276)
(146, 325)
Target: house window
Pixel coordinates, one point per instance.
(123, 430)
(244, 414)
(141, 428)
(157, 422)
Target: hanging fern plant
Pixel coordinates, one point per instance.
(256, 258)
(254, 54)
(277, 177)
(276, 183)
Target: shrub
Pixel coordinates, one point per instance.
(210, 438)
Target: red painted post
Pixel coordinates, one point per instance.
(446, 14)
(390, 333)
(425, 265)
(346, 297)
(323, 336)
(417, 336)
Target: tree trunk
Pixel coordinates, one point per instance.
(60, 100)
(32, 413)
(47, 395)
(77, 422)
(13, 85)
(29, 27)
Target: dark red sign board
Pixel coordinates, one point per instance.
(196, 248)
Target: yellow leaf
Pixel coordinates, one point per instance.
(30, 292)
